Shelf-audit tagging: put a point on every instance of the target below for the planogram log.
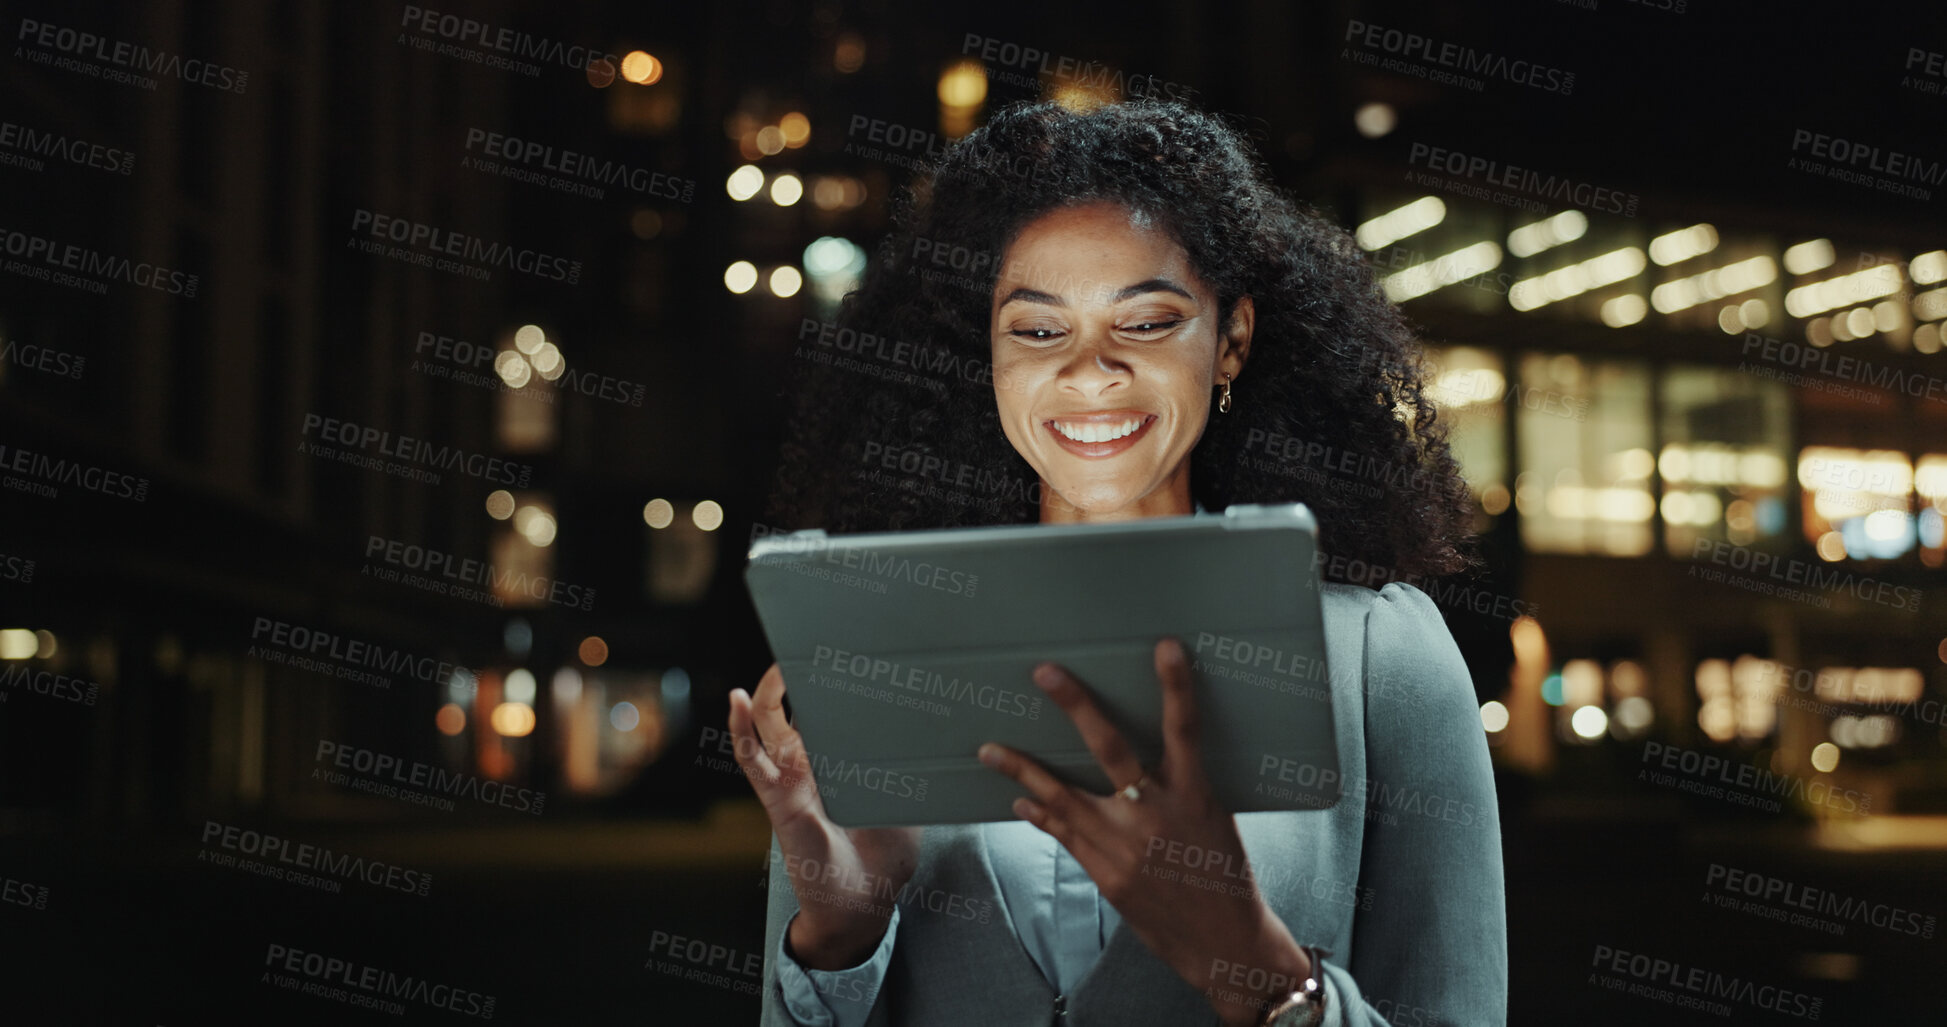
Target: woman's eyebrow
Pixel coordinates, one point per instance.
(1127, 292)
(1153, 285)
(1034, 296)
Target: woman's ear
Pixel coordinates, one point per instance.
(1234, 346)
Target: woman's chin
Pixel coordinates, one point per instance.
(1096, 500)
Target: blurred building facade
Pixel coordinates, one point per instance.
(1704, 428)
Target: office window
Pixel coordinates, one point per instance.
(1856, 501)
(1723, 463)
(1703, 281)
(1469, 388)
(1426, 245)
(1584, 443)
(1930, 480)
(523, 548)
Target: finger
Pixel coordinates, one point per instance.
(776, 733)
(1109, 747)
(768, 704)
(784, 784)
(1070, 806)
(1182, 723)
(1096, 850)
(1079, 843)
(743, 740)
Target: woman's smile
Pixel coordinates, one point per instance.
(1098, 435)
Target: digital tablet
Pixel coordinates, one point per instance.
(903, 651)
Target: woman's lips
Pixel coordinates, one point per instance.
(1111, 419)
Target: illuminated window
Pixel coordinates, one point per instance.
(1855, 297)
(1871, 685)
(1470, 389)
(682, 553)
(1856, 502)
(1738, 699)
(962, 90)
(1723, 470)
(1733, 286)
(523, 551)
(1584, 442)
(1891, 690)
(1423, 246)
(527, 364)
(650, 111)
(611, 724)
(1930, 480)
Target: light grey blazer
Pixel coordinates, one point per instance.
(1401, 880)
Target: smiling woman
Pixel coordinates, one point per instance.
(1335, 366)
(1128, 269)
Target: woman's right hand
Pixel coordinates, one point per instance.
(846, 879)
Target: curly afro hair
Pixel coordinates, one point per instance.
(896, 426)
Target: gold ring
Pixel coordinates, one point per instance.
(1134, 791)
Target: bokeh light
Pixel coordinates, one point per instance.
(786, 190)
(744, 183)
(786, 281)
(642, 68)
(513, 719)
(623, 716)
(1494, 716)
(451, 719)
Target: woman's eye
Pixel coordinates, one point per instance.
(1145, 327)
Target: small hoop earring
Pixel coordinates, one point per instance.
(1223, 401)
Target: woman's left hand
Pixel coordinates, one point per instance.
(1217, 937)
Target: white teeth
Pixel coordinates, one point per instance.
(1097, 432)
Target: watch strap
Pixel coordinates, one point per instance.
(1304, 1007)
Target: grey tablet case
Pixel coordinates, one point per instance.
(903, 651)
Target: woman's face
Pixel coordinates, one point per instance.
(1106, 350)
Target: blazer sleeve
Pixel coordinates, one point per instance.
(1432, 949)
(795, 996)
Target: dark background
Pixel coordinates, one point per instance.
(105, 805)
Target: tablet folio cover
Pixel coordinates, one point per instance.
(903, 651)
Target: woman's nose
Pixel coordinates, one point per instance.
(1094, 378)
(1094, 367)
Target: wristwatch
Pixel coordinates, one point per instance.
(1306, 1006)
